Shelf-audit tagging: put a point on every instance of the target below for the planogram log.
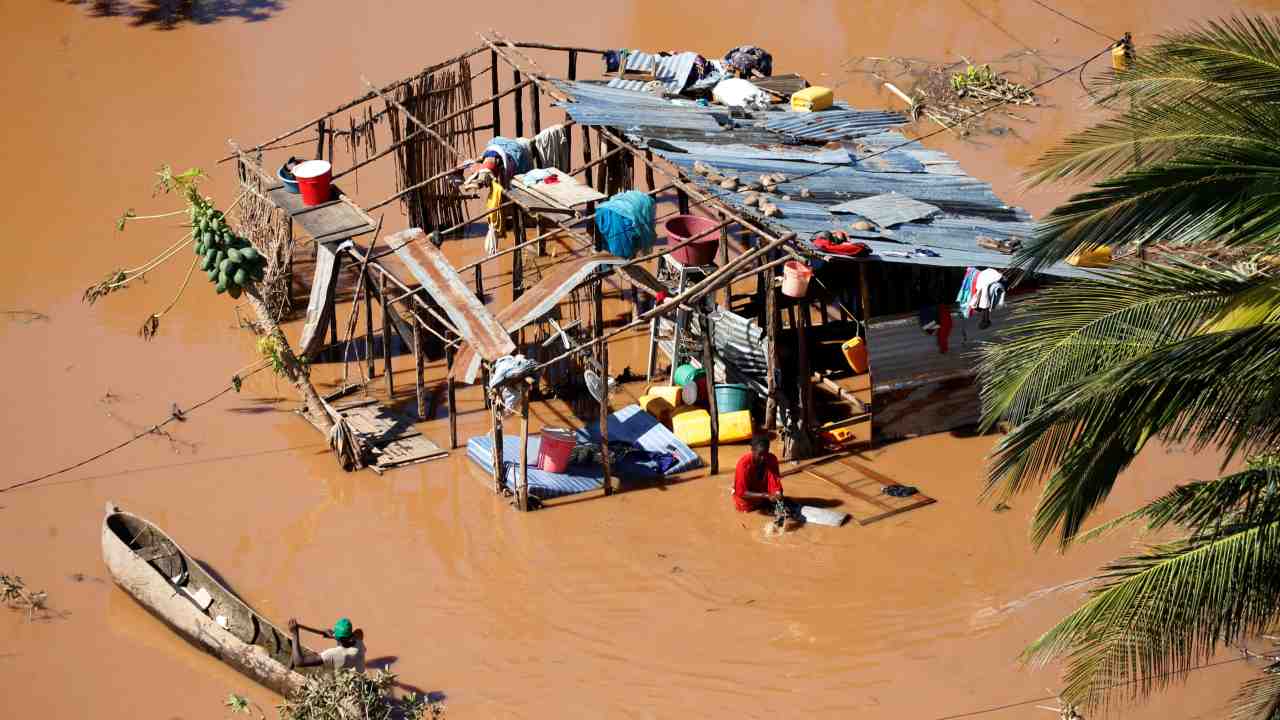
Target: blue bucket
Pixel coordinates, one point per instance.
(732, 398)
(286, 177)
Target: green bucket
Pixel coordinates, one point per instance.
(732, 397)
(687, 373)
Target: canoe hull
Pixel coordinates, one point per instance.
(162, 598)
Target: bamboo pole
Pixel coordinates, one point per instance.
(386, 337)
(419, 363)
(535, 109)
(368, 321)
(586, 155)
(496, 110)
(602, 355)
(522, 486)
(772, 317)
(708, 364)
(563, 48)
(519, 103)
(495, 420)
(412, 118)
(450, 396)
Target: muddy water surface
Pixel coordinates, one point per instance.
(654, 603)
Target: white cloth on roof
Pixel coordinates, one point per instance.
(990, 290)
(736, 92)
(508, 370)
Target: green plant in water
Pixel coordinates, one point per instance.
(348, 694)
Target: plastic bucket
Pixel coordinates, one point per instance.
(699, 252)
(286, 177)
(554, 448)
(687, 373)
(313, 178)
(795, 279)
(732, 398)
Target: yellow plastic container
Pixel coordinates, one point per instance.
(670, 393)
(812, 99)
(657, 407)
(855, 351)
(735, 426)
(1095, 258)
(693, 427)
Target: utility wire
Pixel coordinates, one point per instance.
(176, 414)
(1047, 698)
(1068, 18)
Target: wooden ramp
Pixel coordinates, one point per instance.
(387, 436)
(864, 488)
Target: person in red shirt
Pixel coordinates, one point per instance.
(756, 481)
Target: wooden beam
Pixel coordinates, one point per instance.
(535, 109)
(420, 357)
(522, 485)
(602, 356)
(709, 365)
(410, 116)
(586, 156)
(495, 433)
(496, 110)
(386, 337)
(772, 318)
(450, 397)
(368, 320)
(519, 102)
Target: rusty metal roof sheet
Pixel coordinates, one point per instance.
(537, 302)
(431, 269)
(670, 70)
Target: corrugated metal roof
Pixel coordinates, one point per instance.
(888, 209)
(683, 134)
(670, 70)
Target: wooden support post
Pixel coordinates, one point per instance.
(320, 140)
(493, 85)
(450, 395)
(386, 337)
(709, 365)
(542, 239)
(772, 317)
(535, 108)
(519, 102)
(648, 171)
(806, 382)
(517, 257)
(420, 361)
(573, 75)
(495, 434)
(480, 281)
(586, 157)
(368, 320)
(597, 243)
(865, 290)
(602, 356)
(822, 312)
(682, 199)
(522, 484)
(333, 326)
(724, 260)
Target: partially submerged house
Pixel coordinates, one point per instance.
(541, 294)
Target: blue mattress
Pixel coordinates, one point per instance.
(630, 424)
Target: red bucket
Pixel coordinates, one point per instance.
(554, 447)
(313, 178)
(699, 252)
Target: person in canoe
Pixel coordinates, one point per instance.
(347, 654)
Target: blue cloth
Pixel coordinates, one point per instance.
(626, 223)
(520, 159)
(966, 291)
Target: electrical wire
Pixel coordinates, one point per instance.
(1068, 18)
(177, 414)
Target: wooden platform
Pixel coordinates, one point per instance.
(387, 435)
(864, 488)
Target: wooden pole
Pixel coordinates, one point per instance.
(386, 337)
(602, 355)
(519, 102)
(573, 75)
(451, 397)
(806, 380)
(535, 109)
(522, 485)
(708, 365)
(648, 170)
(724, 258)
(368, 321)
(865, 291)
(682, 199)
(495, 433)
(496, 108)
(320, 140)
(517, 258)
(480, 282)
(420, 358)
(772, 317)
(586, 155)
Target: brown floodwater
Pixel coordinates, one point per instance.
(660, 602)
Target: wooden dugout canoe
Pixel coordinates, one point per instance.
(146, 563)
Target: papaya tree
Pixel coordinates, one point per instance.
(231, 264)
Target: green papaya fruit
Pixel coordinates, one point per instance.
(225, 265)
(240, 276)
(221, 287)
(206, 263)
(223, 278)
(212, 273)
(233, 255)
(249, 253)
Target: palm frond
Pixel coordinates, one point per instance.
(1221, 389)
(1258, 699)
(1254, 307)
(1159, 614)
(1069, 331)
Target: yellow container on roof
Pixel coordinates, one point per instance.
(812, 99)
(670, 393)
(693, 427)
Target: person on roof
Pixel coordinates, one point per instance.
(348, 654)
(757, 483)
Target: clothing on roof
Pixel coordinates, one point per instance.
(515, 156)
(626, 223)
(497, 224)
(551, 148)
(508, 371)
(748, 58)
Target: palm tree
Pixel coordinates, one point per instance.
(1179, 343)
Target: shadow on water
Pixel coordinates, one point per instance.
(169, 14)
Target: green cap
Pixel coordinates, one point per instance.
(342, 628)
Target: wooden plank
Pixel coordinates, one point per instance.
(320, 306)
(537, 301)
(432, 270)
(866, 486)
(333, 221)
(564, 194)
